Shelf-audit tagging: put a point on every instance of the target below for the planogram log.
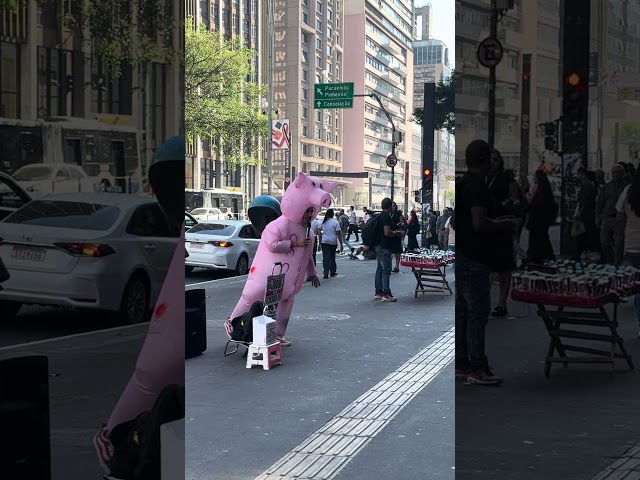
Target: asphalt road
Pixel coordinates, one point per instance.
(344, 344)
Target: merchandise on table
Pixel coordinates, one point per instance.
(426, 256)
(577, 279)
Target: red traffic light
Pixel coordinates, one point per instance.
(573, 79)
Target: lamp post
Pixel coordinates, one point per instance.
(270, 68)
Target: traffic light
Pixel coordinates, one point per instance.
(576, 102)
(427, 176)
(69, 83)
(550, 136)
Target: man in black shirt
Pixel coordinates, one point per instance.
(383, 252)
(473, 257)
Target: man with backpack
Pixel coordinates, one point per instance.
(377, 233)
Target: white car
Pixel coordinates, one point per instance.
(40, 179)
(99, 251)
(206, 214)
(221, 245)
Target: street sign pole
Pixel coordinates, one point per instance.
(492, 78)
(428, 129)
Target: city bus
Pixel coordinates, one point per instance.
(109, 154)
(226, 200)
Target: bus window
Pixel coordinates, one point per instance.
(73, 151)
(117, 151)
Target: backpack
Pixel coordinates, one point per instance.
(243, 325)
(371, 232)
(137, 442)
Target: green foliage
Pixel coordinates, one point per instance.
(630, 135)
(219, 101)
(121, 32)
(445, 106)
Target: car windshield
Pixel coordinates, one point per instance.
(199, 211)
(218, 229)
(32, 174)
(66, 214)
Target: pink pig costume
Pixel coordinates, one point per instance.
(276, 246)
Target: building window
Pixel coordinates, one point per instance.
(156, 103)
(305, 112)
(330, 14)
(305, 18)
(319, 62)
(305, 149)
(9, 80)
(305, 75)
(305, 38)
(319, 7)
(319, 25)
(318, 134)
(305, 131)
(329, 32)
(329, 137)
(318, 115)
(305, 94)
(305, 57)
(329, 50)
(110, 95)
(319, 43)
(318, 151)
(329, 67)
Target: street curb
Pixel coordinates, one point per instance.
(626, 467)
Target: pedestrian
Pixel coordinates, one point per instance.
(397, 221)
(628, 223)
(413, 229)
(542, 213)
(451, 234)
(343, 220)
(611, 244)
(440, 223)
(353, 224)
(386, 234)
(367, 214)
(433, 229)
(504, 194)
(330, 241)
(315, 228)
(585, 214)
(473, 259)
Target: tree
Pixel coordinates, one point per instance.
(133, 32)
(445, 106)
(219, 101)
(630, 135)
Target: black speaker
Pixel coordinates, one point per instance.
(25, 442)
(195, 321)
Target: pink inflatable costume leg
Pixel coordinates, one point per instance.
(285, 307)
(161, 360)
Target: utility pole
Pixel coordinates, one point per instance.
(428, 129)
(493, 33)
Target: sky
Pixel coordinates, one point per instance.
(445, 24)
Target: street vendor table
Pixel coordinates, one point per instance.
(430, 277)
(563, 315)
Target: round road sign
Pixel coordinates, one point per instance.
(525, 125)
(392, 160)
(490, 52)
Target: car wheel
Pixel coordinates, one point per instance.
(188, 269)
(9, 309)
(134, 307)
(242, 267)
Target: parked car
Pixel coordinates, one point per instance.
(40, 179)
(206, 214)
(98, 251)
(12, 196)
(189, 221)
(223, 245)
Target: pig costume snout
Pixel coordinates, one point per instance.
(276, 246)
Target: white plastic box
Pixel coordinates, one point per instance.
(264, 331)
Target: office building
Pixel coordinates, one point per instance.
(424, 22)
(308, 50)
(236, 19)
(46, 72)
(379, 60)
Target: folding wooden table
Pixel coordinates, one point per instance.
(563, 316)
(430, 277)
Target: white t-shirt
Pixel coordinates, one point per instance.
(452, 232)
(352, 217)
(315, 225)
(632, 230)
(330, 229)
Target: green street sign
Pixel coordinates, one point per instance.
(346, 103)
(332, 91)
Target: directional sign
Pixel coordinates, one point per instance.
(392, 160)
(332, 91)
(348, 103)
(490, 52)
(627, 93)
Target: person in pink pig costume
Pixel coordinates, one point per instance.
(289, 240)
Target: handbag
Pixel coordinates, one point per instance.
(577, 228)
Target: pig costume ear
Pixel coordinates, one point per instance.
(301, 180)
(328, 186)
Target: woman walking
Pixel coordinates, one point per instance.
(397, 221)
(541, 215)
(330, 235)
(412, 231)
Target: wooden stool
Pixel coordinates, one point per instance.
(267, 356)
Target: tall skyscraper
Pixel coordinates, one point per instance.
(308, 50)
(379, 60)
(424, 22)
(236, 19)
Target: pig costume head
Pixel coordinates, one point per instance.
(306, 192)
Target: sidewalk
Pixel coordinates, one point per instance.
(240, 422)
(570, 426)
(88, 374)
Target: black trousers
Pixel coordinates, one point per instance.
(353, 229)
(329, 259)
(315, 250)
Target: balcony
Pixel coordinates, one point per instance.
(400, 69)
(390, 76)
(392, 46)
(471, 103)
(382, 59)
